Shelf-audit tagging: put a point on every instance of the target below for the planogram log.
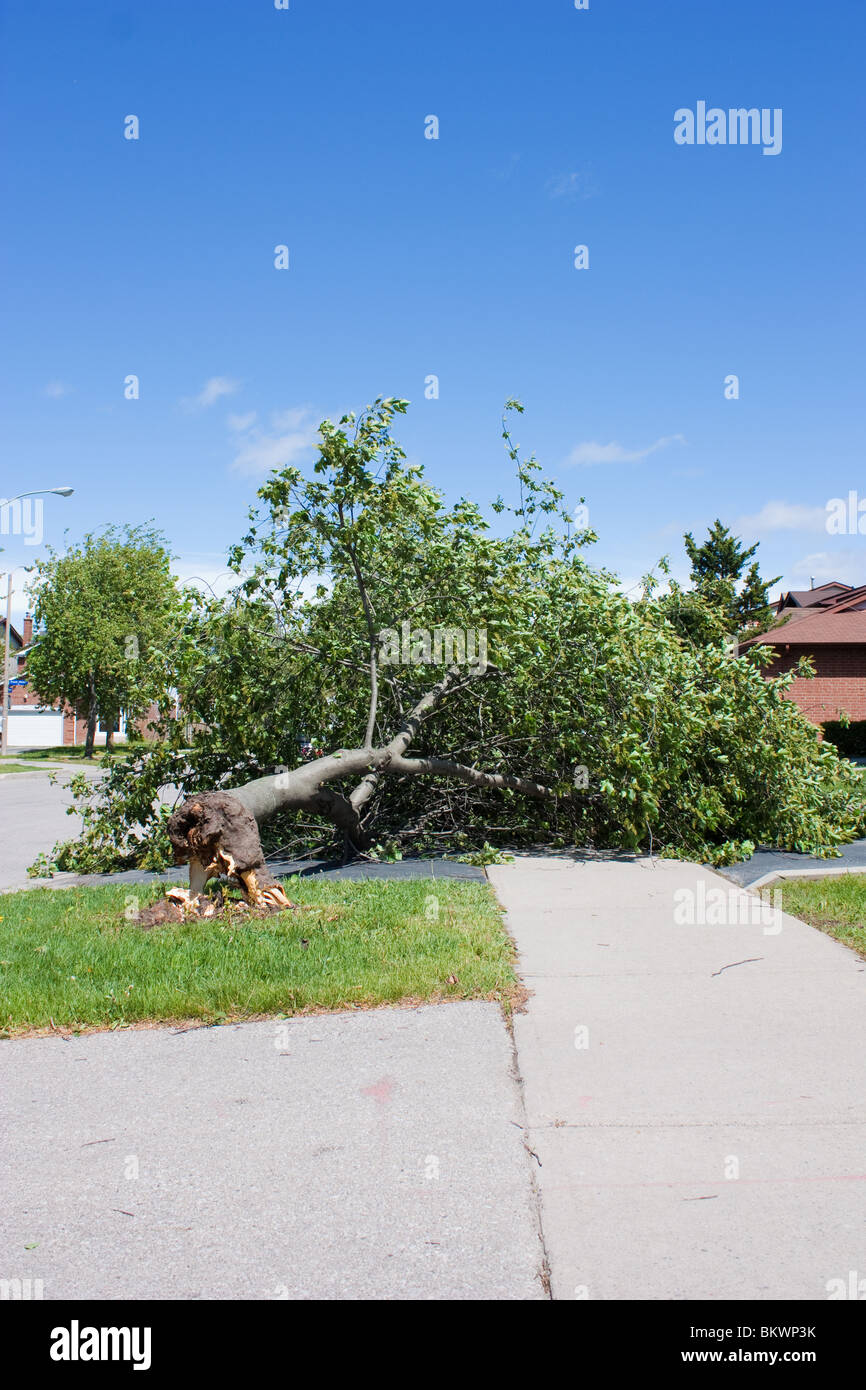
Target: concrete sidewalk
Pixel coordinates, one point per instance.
(696, 1094)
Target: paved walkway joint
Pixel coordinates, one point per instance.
(692, 1070)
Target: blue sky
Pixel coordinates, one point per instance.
(454, 257)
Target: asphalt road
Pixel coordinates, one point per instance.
(351, 1156)
(32, 818)
(851, 859)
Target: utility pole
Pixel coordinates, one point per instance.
(4, 736)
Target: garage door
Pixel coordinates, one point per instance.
(35, 728)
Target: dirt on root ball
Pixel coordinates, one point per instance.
(158, 914)
(175, 910)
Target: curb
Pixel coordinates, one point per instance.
(26, 776)
(776, 874)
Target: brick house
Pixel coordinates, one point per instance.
(828, 624)
(33, 724)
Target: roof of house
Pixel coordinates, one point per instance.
(826, 627)
(15, 638)
(855, 598)
(812, 598)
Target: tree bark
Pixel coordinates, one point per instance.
(92, 720)
(218, 832)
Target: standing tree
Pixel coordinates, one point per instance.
(103, 613)
(726, 598)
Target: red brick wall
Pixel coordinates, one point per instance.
(24, 695)
(839, 683)
(142, 725)
(18, 693)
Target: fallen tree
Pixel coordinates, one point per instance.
(392, 674)
(217, 832)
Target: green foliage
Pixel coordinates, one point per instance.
(104, 613)
(487, 854)
(726, 598)
(687, 751)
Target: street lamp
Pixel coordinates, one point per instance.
(38, 492)
(6, 707)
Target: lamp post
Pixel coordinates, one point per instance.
(6, 706)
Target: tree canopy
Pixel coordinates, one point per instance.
(394, 672)
(103, 613)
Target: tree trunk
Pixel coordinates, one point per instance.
(92, 720)
(217, 832)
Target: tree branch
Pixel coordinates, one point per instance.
(453, 680)
(306, 788)
(442, 767)
(371, 632)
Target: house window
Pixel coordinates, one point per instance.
(103, 727)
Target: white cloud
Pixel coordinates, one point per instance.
(504, 174)
(631, 585)
(206, 572)
(580, 183)
(239, 423)
(784, 516)
(212, 391)
(292, 434)
(56, 389)
(591, 453)
(848, 566)
(688, 472)
(290, 419)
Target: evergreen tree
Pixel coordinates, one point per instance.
(728, 597)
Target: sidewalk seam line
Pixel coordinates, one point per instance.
(545, 1273)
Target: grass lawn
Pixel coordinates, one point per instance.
(835, 905)
(14, 767)
(73, 753)
(70, 960)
